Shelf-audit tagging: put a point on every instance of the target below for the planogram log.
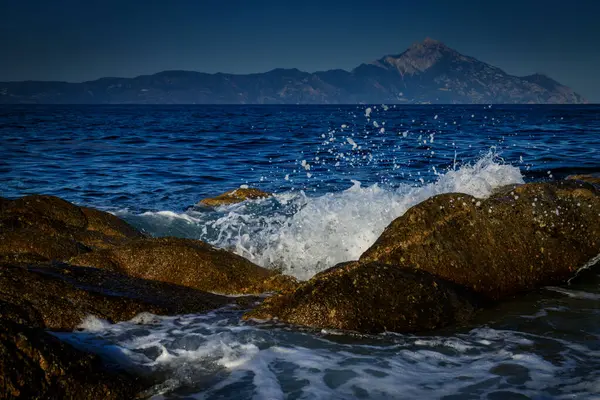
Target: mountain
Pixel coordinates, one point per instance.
(427, 72)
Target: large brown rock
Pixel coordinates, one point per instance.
(371, 298)
(60, 296)
(518, 239)
(189, 263)
(43, 228)
(234, 196)
(36, 365)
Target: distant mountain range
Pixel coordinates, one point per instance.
(427, 72)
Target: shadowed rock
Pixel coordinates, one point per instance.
(186, 262)
(234, 196)
(60, 296)
(43, 228)
(36, 365)
(518, 239)
(371, 298)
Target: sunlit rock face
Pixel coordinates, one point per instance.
(186, 262)
(518, 239)
(371, 298)
(47, 228)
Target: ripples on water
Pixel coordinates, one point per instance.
(167, 158)
(339, 179)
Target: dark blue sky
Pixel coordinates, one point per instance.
(76, 40)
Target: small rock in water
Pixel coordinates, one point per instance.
(590, 178)
(235, 196)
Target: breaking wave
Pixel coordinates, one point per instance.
(302, 235)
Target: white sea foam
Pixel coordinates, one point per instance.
(224, 358)
(303, 235)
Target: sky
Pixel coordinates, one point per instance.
(79, 40)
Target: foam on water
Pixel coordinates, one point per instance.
(303, 235)
(217, 356)
(577, 294)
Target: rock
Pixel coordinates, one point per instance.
(23, 314)
(518, 239)
(276, 283)
(371, 298)
(234, 196)
(36, 365)
(104, 230)
(47, 213)
(34, 245)
(589, 178)
(60, 296)
(186, 262)
(43, 228)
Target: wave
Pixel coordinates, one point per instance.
(302, 235)
(214, 355)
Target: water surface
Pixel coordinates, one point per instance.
(340, 175)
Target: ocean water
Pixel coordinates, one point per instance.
(339, 176)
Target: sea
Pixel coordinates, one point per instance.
(339, 175)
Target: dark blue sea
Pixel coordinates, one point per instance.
(340, 175)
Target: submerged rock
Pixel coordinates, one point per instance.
(234, 196)
(42, 228)
(518, 239)
(36, 365)
(371, 298)
(186, 262)
(60, 296)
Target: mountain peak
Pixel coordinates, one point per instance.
(417, 58)
(429, 43)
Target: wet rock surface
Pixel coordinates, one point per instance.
(518, 239)
(60, 296)
(36, 365)
(186, 262)
(43, 228)
(234, 196)
(371, 298)
(589, 178)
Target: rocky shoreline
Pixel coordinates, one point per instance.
(435, 266)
